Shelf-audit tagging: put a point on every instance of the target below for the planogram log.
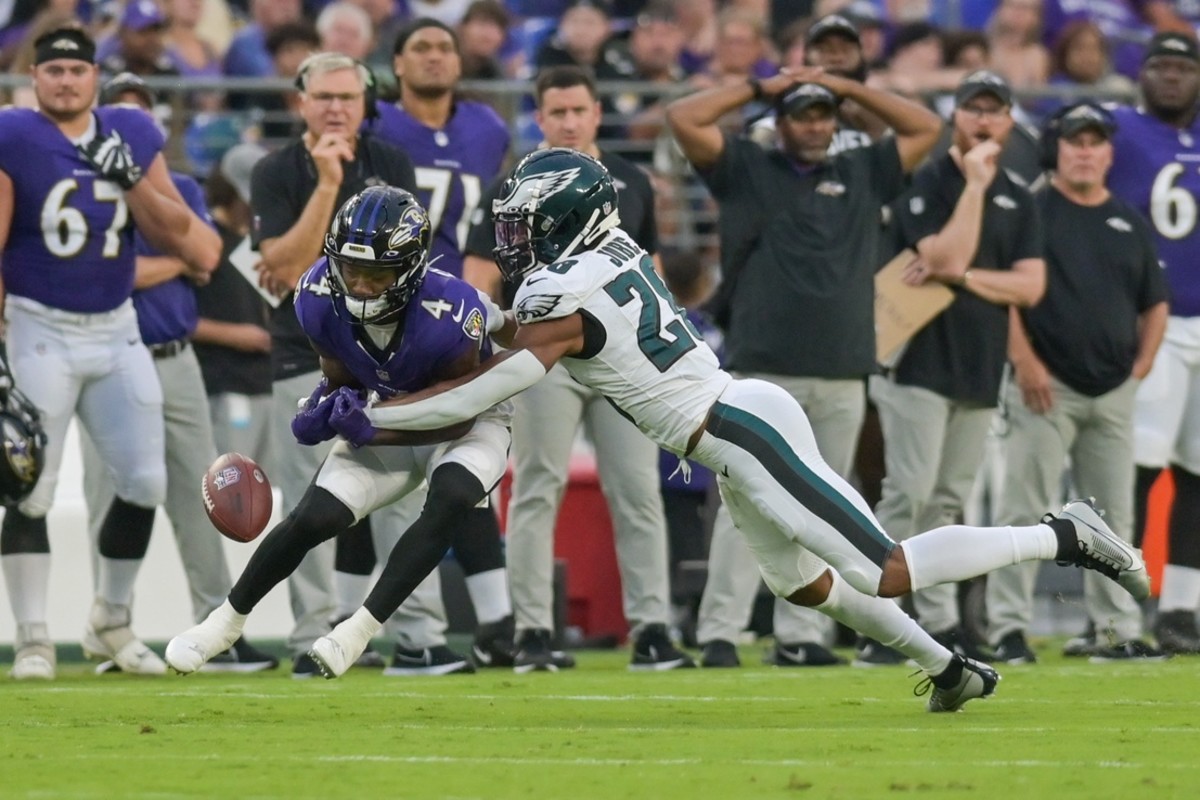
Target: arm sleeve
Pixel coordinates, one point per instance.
(466, 401)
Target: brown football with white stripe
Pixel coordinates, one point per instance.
(237, 497)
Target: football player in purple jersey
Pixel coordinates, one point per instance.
(1156, 148)
(457, 145)
(73, 184)
(383, 324)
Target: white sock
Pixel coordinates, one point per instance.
(885, 622)
(959, 552)
(358, 630)
(489, 595)
(350, 590)
(115, 580)
(27, 576)
(1180, 589)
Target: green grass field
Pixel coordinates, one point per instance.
(1060, 729)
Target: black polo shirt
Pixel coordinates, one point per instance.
(280, 187)
(229, 297)
(635, 202)
(962, 352)
(1102, 271)
(799, 251)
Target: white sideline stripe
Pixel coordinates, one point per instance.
(641, 729)
(653, 762)
(232, 691)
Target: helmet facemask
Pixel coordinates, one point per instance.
(378, 252)
(514, 245)
(369, 296)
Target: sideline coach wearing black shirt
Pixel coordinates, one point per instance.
(976, 229)
(800, 235)
(294, 193)
(1077, 359)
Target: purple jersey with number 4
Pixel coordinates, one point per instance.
(444, 320)
(71, 242)
(454, 165)
(1156, 169)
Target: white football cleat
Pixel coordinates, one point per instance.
(35, 657)
(190, 650)
(108, 637)
(1103, 551)
(336, 653)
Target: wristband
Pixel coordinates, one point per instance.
(965, 279)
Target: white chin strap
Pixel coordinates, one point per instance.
(366, 310)
(590, 235)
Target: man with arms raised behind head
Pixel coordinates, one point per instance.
(71, 179)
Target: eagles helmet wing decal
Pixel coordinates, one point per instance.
(533, 189)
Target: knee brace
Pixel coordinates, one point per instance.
(22, 533)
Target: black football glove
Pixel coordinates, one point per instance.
(112, 159)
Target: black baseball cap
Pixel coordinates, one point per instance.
(983, 82)
(122, 83)
(806, 95)
(832, 24)
(1172, 44)
(1087, 116)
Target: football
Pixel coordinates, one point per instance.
(237, 497)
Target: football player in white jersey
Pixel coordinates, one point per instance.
(590, 297)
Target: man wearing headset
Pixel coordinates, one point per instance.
(294, 194)
(1078, 357)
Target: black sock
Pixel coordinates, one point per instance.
(1183, 542)
(1068, 544)
(951, 675)
(125, 532)
(1143, 483)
